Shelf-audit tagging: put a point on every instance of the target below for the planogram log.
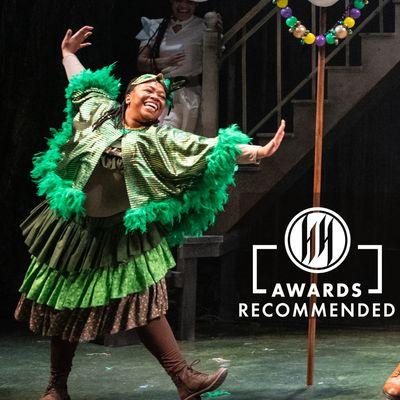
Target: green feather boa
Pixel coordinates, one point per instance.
(188, 215)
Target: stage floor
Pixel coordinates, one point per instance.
(351, 365)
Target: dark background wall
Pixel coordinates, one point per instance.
(361, 177)
(360, 181)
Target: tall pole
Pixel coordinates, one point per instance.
(319, 127)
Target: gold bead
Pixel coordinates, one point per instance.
(349, 22)
(341, 32)
(300, 31)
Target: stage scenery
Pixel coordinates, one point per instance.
(200, 200)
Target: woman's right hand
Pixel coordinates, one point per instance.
(273, 145)
(172, 61)
(73, 42)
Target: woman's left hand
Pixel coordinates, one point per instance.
(273, 145)
(74, 42)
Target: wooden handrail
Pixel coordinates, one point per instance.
(244, 20)
(250, 33)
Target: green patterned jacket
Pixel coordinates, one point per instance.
(174, 177)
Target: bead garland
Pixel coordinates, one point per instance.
(340, 30)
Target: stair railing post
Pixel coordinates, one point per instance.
(347, 3)
(397, 15)
(381, 21)
(243, 60)
(187, 267)
(279, 66)
(210, 85)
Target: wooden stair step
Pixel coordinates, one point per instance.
(367, 35)
(249, 168)
(345, 68)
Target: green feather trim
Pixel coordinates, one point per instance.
(101, 79)
(65, 200)
(195, 210)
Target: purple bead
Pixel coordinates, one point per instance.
(355, 13)
(320, 40)
(286, 12)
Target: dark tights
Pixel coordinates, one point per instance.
(62, 353)
(157, 336)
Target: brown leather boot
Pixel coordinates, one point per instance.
(62, 353)
(191, 383)
(57, 388)
(391, 389)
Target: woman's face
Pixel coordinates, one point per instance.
(182, 9)
(146, 101)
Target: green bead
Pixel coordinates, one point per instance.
(291, 22)
(359, 4)
(330, 38)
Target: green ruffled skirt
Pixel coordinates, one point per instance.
(88, 277)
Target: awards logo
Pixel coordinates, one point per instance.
(317, 240)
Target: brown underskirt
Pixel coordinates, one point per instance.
(85, 324)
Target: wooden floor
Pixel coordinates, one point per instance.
(351, 364)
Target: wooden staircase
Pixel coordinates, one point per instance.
(349, 91)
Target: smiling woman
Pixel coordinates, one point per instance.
(120, 190)
(145, 100)
(183, 9)
(145, 103)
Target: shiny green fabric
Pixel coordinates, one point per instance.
(96, 287)
(161, 162)
(173, 177)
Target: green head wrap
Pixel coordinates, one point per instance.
(169, 84)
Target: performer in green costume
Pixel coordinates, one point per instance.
(120, 191)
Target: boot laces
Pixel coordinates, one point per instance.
(396, 373)
(190, 367)
(177, 377)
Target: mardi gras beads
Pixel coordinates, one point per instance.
(340, 30)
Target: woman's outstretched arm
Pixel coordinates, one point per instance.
(252, 154)
(70, 45)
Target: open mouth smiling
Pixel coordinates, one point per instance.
(151, 105)
(183, 10)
